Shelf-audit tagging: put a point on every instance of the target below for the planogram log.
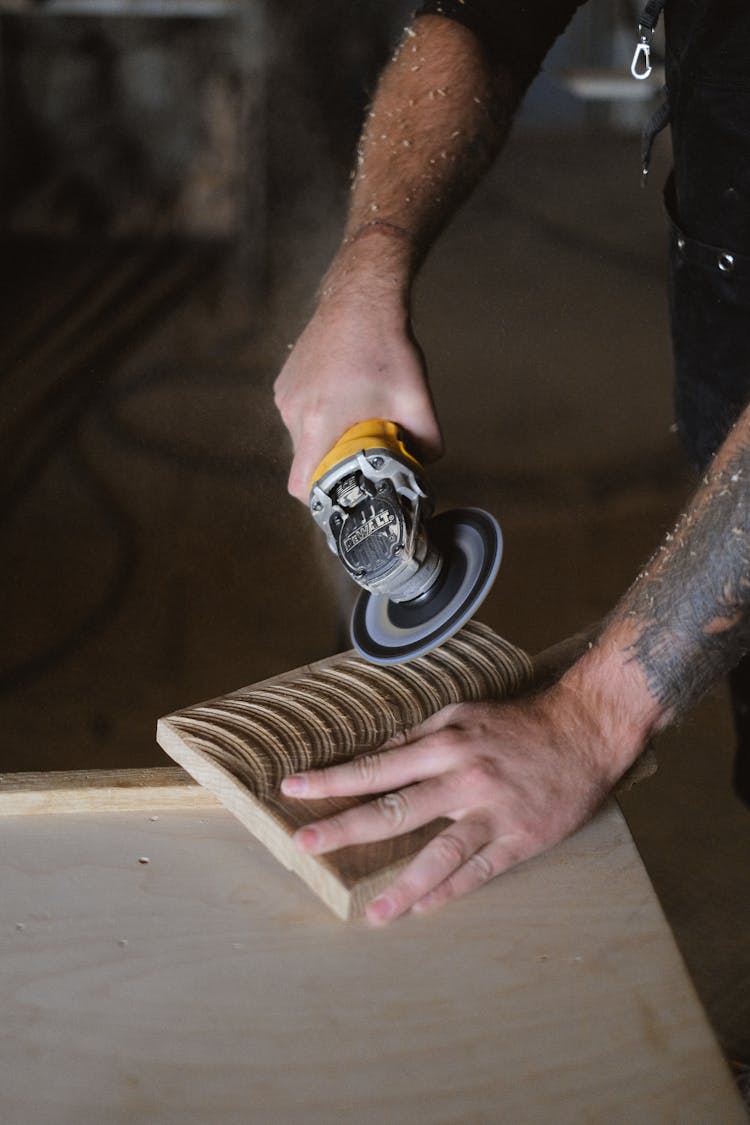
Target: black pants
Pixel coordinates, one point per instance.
(708, 199)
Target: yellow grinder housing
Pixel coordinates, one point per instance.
(375, 433)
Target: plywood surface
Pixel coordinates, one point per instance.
(206, 986)
(240, 746)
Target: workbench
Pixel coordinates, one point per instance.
(158, 965)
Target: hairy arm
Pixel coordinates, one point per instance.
(516, 778)
(438, 117)
(443, 109)
(690, 607)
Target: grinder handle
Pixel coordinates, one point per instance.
(375, 433)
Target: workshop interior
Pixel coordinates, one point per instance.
(174, 178)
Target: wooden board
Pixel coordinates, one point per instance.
(242, 745)
(73, 791)
(205, 986)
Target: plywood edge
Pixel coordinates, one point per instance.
(81, 791)
(235, 797)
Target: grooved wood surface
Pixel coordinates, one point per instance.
(242, 745)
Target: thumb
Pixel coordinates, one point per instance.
(308, 453)
(298, 483)
(420, 422)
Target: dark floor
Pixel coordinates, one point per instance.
(151, 557)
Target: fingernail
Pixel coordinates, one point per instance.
(307, 838)
(424, 904)
(380, 909)
(292, 786)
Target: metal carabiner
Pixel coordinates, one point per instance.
(642, 55)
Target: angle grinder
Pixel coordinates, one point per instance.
(422, 576)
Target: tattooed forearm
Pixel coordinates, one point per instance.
(691, 605)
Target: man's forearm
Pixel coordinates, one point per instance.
(438, 118)
(686, 619)
(691, 604)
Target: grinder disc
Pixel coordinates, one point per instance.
(471, 545)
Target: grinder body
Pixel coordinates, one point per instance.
(421, 578)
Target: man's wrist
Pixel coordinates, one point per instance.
(378, 227)
(609, 687)
(374, 266)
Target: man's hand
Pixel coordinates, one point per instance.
(513, 778)
(357, 359)
(439, 114)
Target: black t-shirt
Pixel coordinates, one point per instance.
(517, 34)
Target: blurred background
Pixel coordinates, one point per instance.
(174, 177)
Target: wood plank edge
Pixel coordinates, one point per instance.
(81, 791)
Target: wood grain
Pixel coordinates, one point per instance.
(242, 745)
(204, 987)
(75, 791)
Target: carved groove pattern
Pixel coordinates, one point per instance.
(329, 714)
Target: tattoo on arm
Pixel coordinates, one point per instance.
(691, 605)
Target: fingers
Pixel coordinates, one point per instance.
(298, 483)
(372, 773)
(431, 444)
(380, 819)
(417, 416)
(454, 849)
(480, 867)
(447, 717)
(311, 448)
(432, 880)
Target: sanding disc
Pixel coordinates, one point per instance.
(471, 545)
